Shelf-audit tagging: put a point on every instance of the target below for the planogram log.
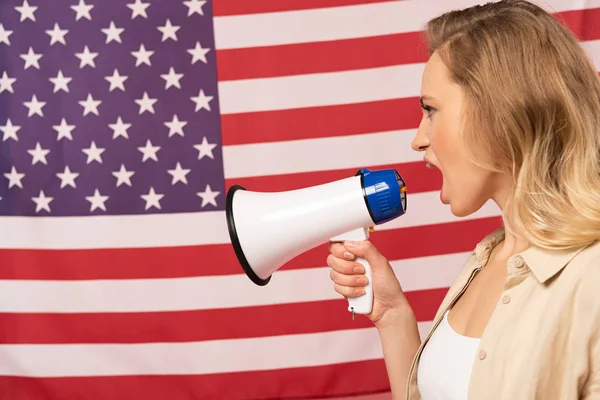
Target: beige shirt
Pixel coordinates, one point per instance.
(543, 339)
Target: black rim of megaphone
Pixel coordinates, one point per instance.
(235, 241)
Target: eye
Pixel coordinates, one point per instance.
(428, 110)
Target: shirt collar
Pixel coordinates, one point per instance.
(543, 263)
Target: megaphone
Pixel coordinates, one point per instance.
(268, 229)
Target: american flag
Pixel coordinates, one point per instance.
(123, 123)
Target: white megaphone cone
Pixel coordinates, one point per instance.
(269, 229)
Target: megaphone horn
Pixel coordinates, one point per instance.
(268, 229)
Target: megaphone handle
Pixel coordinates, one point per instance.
(363, 304)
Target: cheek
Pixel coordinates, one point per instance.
(452, 158)
(445, 145)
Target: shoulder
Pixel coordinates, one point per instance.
(583, 274)
(572, 282)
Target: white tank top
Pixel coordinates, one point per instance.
(445, 365)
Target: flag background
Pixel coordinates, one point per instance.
(124, 284)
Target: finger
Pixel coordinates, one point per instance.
(348, 291)
(338, 250)
(348, 280)
(366, 250)
(344, 266)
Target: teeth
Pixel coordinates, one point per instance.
(429, 165)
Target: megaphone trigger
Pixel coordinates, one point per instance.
(267, 229)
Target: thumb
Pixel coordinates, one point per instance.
(366, 250)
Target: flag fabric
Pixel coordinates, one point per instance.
(123, 123)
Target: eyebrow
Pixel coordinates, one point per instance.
(424, 98)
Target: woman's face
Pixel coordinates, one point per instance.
(466, 187)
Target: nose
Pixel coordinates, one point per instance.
(420, 141)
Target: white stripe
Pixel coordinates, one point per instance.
(337, 23)
(592, 48)
(122, 231)
(417, 215)
(322, 154)
(220, 356)
(173, 229)
(324, 89)
(213, 292)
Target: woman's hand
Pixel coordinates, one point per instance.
(389, 302)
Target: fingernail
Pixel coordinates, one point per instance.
(361, 281)
(348, 256)
(351, 243)
(358, 269)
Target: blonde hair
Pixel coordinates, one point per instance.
(533, 111)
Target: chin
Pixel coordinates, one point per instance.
(463, 209)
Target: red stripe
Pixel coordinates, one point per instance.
(423, 241)
(419, 179)
(319, 57)
(293, 383)
(171, 262)
(356, 53)
(321, 122)
(238, 7)
(582, 22)
(183, 326)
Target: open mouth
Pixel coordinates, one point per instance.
(429, 165)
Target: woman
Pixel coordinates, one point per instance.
(511, 113)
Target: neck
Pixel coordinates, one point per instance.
(514, 241)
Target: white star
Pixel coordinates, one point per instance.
(120, 129)
(172, 79)
(10, 131)
(60, 82)
(138, 8)
(199, 53)
(202, 101)
(169, 31)
(113, 33)
(31, 59)
(176, 126)
(179, 174)
(116, 81)
(82, 10)
(6, 83)
(90, 105)
(34, 106)
(14, 178)
(67, 178)
(97, 201)
(123, 176)
(38, 154)
(142, 56)
(63, 130)
(146, 103)
(42, 202)
(57, 35)
(87, 58)
(208, 196)
(152, 199)
(26, 11)
(149, 151)
(205, 149)
(195, 6)
(4, 35)
(93, 153)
